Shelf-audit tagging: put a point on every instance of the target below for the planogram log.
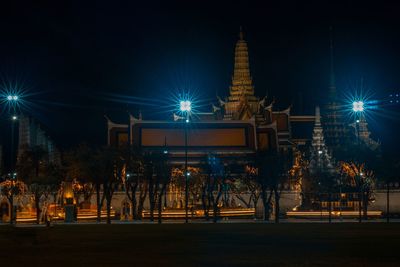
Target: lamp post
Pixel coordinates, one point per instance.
(13, 101)
(14, 118)
(186, 107)
(358, 109)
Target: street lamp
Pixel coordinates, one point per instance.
(14, 118)
(358, 109)
(12, 99)
(185, 107)
(358, 106)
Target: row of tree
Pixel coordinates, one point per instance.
(145, 176)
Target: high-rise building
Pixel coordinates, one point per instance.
(31, 134)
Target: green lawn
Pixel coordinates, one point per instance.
(368, 244)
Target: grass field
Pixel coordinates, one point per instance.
(368, 244)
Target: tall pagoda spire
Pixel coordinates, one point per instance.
(332, 84)
(242, 84)
(336, 130)
(320, 159)
(241, 103)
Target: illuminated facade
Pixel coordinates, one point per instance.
(234, 129)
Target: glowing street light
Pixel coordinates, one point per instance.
(358, 106)
(358, 109)
(185, 106)
(12, 98)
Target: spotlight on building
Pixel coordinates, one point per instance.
(358, 106)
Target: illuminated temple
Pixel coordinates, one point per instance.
(241, 124)
(235, 128)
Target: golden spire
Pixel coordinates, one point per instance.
(242, 84)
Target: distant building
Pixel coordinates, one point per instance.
(31, 134)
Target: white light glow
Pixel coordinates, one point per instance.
(9, 97)
(185, 105)
(358, 106)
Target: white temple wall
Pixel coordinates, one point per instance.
(380, 201)
(289, 200)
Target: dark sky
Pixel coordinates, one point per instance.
(77, 59)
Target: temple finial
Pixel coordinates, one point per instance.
(332, 85)
(241, 80)
(240, 33)
(317, 116)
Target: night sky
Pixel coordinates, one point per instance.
(79, 61)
